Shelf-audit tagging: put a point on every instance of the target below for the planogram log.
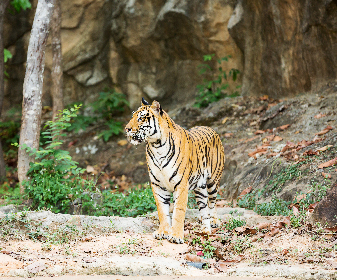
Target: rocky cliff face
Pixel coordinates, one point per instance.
(146, 48)
(288, 46)
(153, 48)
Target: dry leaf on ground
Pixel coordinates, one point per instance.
(259, 132)
(328, 163)
(272, 233)
(91, 169)
(122, 142)
(259, 151)
(310, 153)
(284, 252)
(261, 226)
(312, 207)
(257, 237)
(283, 127)
(326, 175)
(277, 138)
(251, 139)
(224, 120)
(245, 230)
(325, 130)
(280, 224)
(72, 143)
(334, 229)
(218, 254)
(270, 137)
(272, 155)
(320, 115)
(296, 212)
(244, 192)
(287, 221)
(324, 148)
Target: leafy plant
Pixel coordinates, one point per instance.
(81, 123)
(105, 107)
(131, 204)
(248, 201)
(54, 177)
(213, 89)
(286, 174)
(21, 4)
(207, 247)
(276, 206)
(317, 193)
(7, 55)
(241, 243)
(234, 223)
(109, 102)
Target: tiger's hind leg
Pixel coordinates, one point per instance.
(212, 194)
(201, 197)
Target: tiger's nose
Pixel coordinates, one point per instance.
(127, 129)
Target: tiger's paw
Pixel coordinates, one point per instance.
(175, 239)
(160, 234)
(176, 236)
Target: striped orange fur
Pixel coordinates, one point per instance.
(178, 160)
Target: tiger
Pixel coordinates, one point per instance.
(178, 160)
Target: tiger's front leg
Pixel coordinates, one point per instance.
(162, 198)
(176, 234)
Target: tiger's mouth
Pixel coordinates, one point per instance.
(135, 138)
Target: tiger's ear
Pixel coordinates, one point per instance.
(156, 107)
(144, 102)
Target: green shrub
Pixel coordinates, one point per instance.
(21, 4)
(55, 180)
(248, 201)
(54, 176)
(212, 90)
(133, 203)
(276, 207)
(105, 107)
(234, 223)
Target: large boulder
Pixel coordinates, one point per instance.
(288, 46)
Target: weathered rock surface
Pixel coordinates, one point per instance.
(153, 48)
(326, 211)
(288, 46)
(149, 48)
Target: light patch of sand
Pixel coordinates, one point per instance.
(8, 263)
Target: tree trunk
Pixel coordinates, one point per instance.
(3, 6)
(32, 87)
(56, 73)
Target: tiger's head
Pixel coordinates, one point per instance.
(145, 123)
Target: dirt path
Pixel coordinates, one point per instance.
(57, 245)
